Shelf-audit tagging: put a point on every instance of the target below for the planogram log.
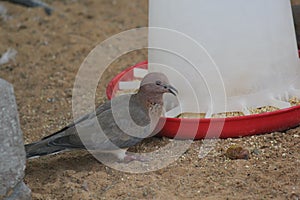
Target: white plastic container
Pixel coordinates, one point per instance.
(225, 55)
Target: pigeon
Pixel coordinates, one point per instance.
(125, 121)
(33, 3)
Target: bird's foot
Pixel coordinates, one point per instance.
(134, 157)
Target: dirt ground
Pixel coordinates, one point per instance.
(50, 52)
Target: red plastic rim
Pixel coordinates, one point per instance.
(233, 126)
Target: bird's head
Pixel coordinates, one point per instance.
(157, 83)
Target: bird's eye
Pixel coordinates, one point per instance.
(158, 82)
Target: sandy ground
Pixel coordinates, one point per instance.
(50, 51)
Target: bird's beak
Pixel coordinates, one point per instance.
(172, 90)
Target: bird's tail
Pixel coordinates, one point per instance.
(41, 148)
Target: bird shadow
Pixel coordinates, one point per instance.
(48, 169)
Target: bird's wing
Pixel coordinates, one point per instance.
(110, 135)
(124, 124)
(67, 136)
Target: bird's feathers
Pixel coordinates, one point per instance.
(117, 124)
(110, 138)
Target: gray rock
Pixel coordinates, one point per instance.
(20, 192)
(12, 153)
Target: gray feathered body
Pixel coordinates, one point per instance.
(110, 137)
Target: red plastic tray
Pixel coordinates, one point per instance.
(232, 126)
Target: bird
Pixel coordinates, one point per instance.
(125, 121)
(33, 3)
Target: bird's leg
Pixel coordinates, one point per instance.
(132, 157)
(120, 153)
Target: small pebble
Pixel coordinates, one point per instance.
(256, 151)
(85, 186)
(235, 152)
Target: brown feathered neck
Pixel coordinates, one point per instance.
(149, 99)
